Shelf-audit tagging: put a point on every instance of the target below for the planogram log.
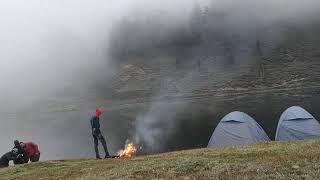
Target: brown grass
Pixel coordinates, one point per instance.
(272, 160)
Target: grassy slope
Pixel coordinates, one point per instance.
(290, 160)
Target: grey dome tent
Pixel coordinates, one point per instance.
(237, 128)
(297, 124)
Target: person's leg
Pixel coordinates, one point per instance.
(96, 149)
(104, 144)
(38, 157)
(25, 159)
(3, 163)
(17, 161)
(35, 158)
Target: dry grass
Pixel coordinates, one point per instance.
(273, 160)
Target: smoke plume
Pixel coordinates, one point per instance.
(221, 40)
(145, 63)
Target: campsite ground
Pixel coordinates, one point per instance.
(272, 160)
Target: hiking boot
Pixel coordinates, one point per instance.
(107, 156)
(98, 157)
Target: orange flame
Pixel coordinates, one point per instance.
(128, 151)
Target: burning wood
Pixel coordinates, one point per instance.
(128, 151)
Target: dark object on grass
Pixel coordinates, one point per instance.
(7, 157)
(113, 157)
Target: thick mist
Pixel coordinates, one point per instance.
(59, 59)
(53, 56)
(218, 40)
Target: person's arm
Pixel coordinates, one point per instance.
(98, 123)
(93, 123)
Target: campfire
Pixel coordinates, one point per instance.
(128, 151)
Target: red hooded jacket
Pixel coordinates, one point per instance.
(31, 149)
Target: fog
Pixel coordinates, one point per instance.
(213, 37)
(53, 54)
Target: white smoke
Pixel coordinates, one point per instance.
(52, 53)
(155, 126)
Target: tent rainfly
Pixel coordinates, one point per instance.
(237, 128)
(297, 124)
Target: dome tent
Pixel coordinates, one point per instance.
(237, 128)
(297, 124)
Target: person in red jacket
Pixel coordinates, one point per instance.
(31, 150)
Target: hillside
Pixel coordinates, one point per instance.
(273, 160)
(202, 76)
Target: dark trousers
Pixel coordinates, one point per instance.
(4, 163)
(20, 160)
(35, 158)
(97, 136)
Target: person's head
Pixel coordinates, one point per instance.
(98, 112)
(22, 144)
(16, 143)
